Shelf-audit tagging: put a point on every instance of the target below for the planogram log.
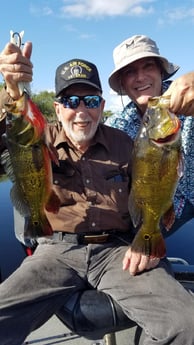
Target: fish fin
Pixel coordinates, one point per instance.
(39, 228)
(53, 203)
(149, 244)
(134, 211)
(168, 218)
(7, 166)
(181, 165)
(18, 202)
(164, 165)
(35, 117)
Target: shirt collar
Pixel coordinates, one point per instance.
(99, 137)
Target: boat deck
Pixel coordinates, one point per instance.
(53, 332)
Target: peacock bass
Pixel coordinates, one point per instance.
(157, 168)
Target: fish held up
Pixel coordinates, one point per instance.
(27, 162)
(157, 168)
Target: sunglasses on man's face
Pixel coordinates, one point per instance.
(90, 102)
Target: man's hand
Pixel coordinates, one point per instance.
(181, 93)
(136, 262)
(16, 67)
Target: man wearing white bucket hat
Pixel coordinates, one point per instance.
(140, 73)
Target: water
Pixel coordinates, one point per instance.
(181, 243)
(11, 251)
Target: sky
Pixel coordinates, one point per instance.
(90, 29)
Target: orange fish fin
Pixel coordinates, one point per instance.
(34, 116)
(168, 218)
(149, 244)
(53, 203)
(134, 211)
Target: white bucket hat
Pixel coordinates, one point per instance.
(132, 49)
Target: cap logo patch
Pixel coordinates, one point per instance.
(76, 69)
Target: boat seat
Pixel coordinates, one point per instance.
(93, 314)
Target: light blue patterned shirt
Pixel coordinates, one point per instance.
(129, 120)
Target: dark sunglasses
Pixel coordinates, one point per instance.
(91, 102)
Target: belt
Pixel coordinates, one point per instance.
(84, 238)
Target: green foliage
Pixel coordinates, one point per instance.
(1, 86)
(44, 101)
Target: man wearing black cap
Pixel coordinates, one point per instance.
(92, 232)
(77, 84)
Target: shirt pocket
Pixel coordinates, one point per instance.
(64, 177)
(117, 191)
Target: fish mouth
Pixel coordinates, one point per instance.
(168, 139)
(171, 137)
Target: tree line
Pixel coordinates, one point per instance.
(44, 101)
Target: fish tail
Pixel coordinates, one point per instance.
(38, 228)
(149, 244)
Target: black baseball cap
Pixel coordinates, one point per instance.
(76, 71)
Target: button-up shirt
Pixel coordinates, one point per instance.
(129, 120)
(93, 187)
